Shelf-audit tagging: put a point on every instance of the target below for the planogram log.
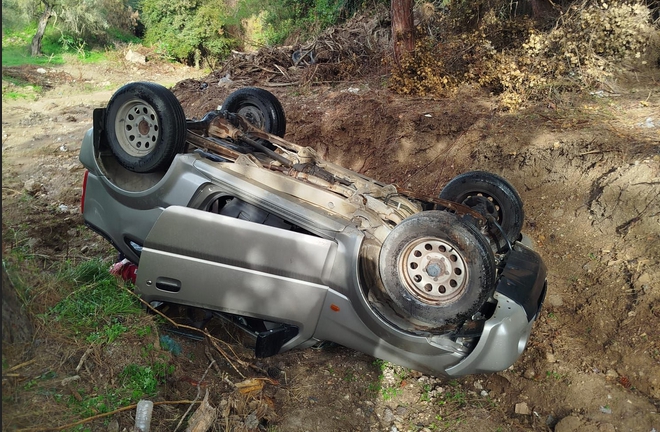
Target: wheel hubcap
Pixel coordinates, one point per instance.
(433, 271)
(137, 128)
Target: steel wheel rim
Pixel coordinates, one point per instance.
(253, 114)
(433, 271)
(493, 207)
(137, 127)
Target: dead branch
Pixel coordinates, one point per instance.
(98, 416)
(199, 390)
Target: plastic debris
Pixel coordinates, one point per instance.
(125, 269)
(606, 409)
(143, 415)
(649, 123)
(169, 344)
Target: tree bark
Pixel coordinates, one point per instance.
(16, 326)
(542, 9)
(35, 47)
(403, 28)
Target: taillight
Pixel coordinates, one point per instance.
(84, 190)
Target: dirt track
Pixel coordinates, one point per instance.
(588, 170)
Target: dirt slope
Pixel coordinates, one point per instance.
(586, 166)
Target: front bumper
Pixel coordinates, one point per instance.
(520, 294)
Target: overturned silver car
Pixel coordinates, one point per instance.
(224, 214)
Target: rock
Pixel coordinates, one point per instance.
(550, 357)
(135, 57)
(644, 279)
(611, 374)
(522, 408)
(555, 300)
(557, 214)
(32, 187)
(113, 426)
(569, 424)
(529, 373)
(388, 415)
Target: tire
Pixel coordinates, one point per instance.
(436, 268)
(145, 126)
(490, 195)
(260, 107)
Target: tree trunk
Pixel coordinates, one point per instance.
(542, 10)
(403, 28)
(35, 47)
(16, 326)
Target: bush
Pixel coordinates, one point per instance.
(519, 61)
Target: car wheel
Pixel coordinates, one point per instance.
(260, 107)
(145, 126)
(436, 268)
(490, 195)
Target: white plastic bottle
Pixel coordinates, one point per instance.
(143, 415)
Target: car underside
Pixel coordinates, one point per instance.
(225, 215)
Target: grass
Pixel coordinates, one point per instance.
(87, 308)
(16, 48)
(16, 53)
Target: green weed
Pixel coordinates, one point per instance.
(425, 396)
(143, 381)
(389, 393)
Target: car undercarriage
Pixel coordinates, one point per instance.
(225, 215)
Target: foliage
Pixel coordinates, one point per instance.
(188, 30)
(283, 19)
(520, 60)
(75, 26)
(17, 15)
(144, 380)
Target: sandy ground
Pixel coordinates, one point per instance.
(587, 167)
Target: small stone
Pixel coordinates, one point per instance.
(644, 279)
(522, 408)
(555, 300)
(550, 357)
(569, 424)
(113, 426)
(388, 415)
(606, 427)
(84, 249)
(529, 373)
(32, 187)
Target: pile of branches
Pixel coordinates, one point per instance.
(36, 76)
(339, 54)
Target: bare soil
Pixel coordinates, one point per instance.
(586, 165)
